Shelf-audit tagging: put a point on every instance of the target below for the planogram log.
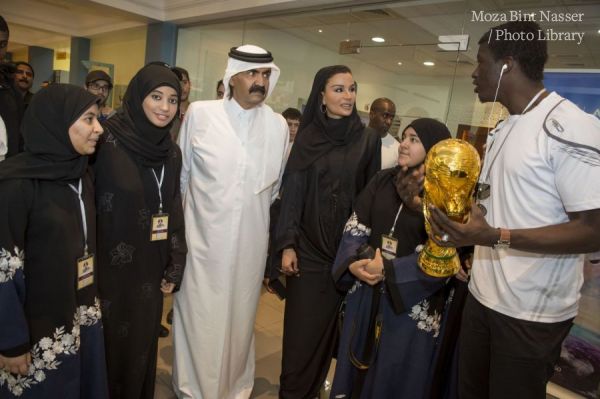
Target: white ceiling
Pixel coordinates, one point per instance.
(405, 23)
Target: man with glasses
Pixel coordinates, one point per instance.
(381, 116)
(99, 83)
(24, 80)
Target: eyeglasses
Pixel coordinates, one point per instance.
(97, 87)
(22, 72)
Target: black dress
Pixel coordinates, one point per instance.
(131, 266)
(316, 203)
(41, 309)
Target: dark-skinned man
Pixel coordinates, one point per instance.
(538, 212)
(381, 116)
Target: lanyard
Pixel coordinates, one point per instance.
(396, 220)
(489, 147)
(83, 217)
(159, 184)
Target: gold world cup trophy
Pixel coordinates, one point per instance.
(452, 169)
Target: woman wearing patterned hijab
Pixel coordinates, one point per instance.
(51, 343)
(141, 243)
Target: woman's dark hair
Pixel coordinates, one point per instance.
(530, 54)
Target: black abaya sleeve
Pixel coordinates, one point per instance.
(15, 202)
(178, 246)
(374, 164)
(293, 192)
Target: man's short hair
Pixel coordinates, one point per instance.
(27, 64)
(375, 104)
(219, 83)
(3, 25)
(181, 72)
(292, 113)
(530, 54)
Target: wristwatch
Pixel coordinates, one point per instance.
(504, 240)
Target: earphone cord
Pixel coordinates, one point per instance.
(495, 97)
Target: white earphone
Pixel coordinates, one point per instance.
(504, 68)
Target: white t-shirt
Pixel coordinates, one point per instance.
(548, 165)
(389, 151)
(3, 140)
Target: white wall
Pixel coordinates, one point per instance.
(203, 51)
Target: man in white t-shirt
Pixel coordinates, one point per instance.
(539, 211)
(381, 116)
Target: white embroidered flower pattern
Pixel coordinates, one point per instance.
(9, 263)
(354, 287)
(425, 321)
(355, 228)
(44, 353)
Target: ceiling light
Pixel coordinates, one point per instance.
(429, 63)
(598, 30)
(399, 62)
(320, 30)
(378, 39)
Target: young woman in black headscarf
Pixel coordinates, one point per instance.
(391, 328)
(333, 158)
(141, 241)
(51, 341)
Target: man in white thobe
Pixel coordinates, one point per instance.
(233, 159)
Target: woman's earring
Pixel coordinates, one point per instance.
(323, 108)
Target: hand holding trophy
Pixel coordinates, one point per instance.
(452, 168)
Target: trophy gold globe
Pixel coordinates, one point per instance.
(451, 173)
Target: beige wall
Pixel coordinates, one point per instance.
(124, 49)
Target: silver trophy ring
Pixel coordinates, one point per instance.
(445, 237)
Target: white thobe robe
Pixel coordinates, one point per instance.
(233, 160)
(389, 151)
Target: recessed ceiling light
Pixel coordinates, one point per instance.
(598, 30)
(429, 63)
(378, 39)
(320, 30)
(399, 62)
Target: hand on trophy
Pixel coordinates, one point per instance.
(409, 185)
(448, 233)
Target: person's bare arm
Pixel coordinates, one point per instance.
(578, 235)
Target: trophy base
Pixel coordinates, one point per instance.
(439, 262)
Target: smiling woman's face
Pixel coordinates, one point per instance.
(160, 105)
(339, 95)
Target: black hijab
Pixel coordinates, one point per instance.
(318, 134)
(149, 144)
(49, 153)
(430, 131)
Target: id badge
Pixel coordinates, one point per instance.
(85, 271)
(160, 227)
(389, 245)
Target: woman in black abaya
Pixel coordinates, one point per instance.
(51, 341)
(141, 242)
(333, 158)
